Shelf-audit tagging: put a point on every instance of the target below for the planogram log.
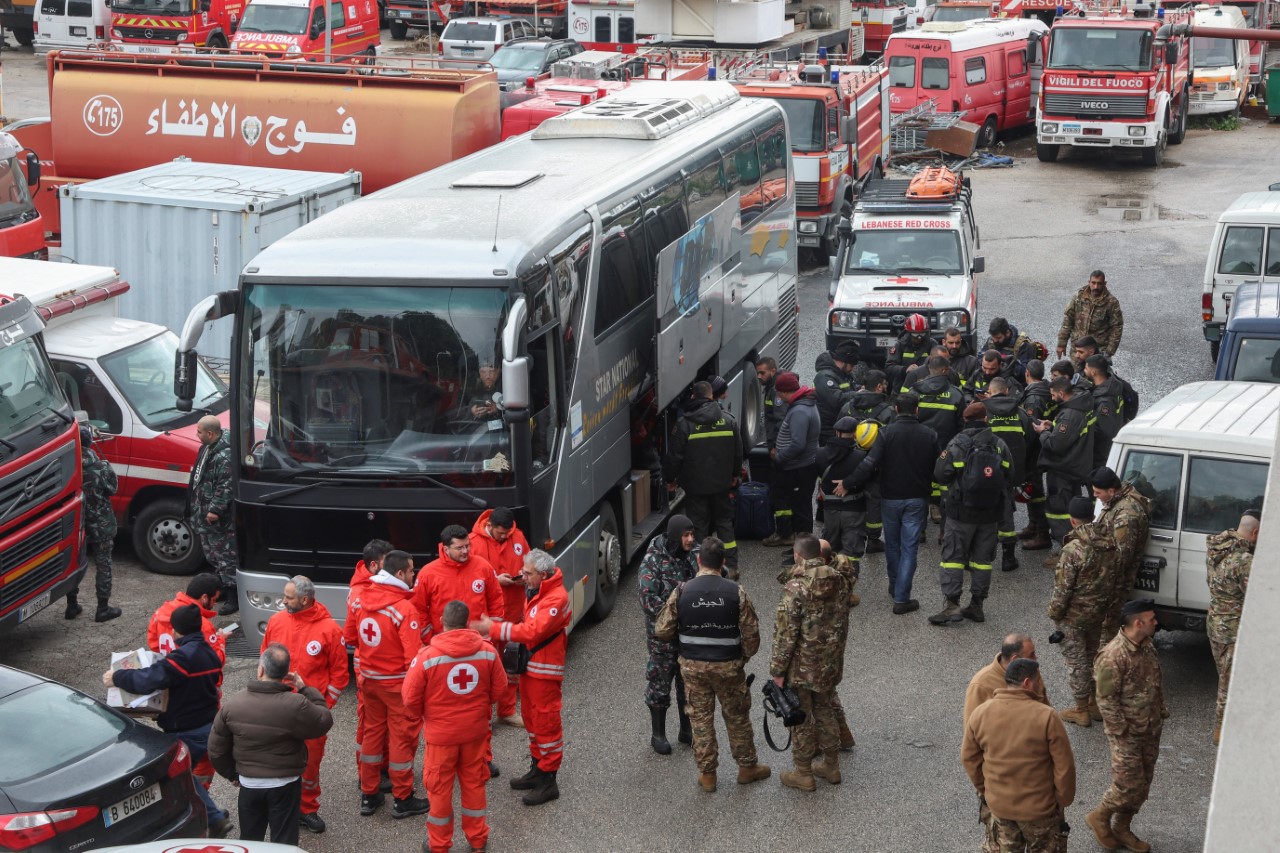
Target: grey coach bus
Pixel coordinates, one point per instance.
(517, 329)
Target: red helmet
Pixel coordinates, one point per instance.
(916, 324)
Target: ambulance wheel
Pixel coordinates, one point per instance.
(1180, 132)
(164, 541)
(399, 30)
(987, 135)
(608, 564)
(1046, 153)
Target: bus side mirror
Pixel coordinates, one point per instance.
(515, 368)
(186, 361)
(184, 378)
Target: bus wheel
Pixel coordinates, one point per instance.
(608, 564)
(164, 541)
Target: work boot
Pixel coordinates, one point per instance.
(1008, 555)
(974, 610)
(312, 821)
(494, 772)
(1030, 531)
(528, 781)
(707, 782)
(230, 602)
(801, 778)
(846, 736)
(73, 607)
(1039, 542)
(828, 767)
(384, 783)
(408, 807)
(1050, 562)
(935, 513)
(1094, 711)
(370, 803)
(875, 545)
(1120, 829)
(854, 599)
(106, 612)
(221, 828)
(1217, 734)
(773, 540)
(1099, 821)
(753, 773)
(950, 613)
(686, 728)
(512, 720)
(546, 791)
(905, 607)
(1079, 715)
(658, 723)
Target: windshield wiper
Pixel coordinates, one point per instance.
(929, 270)
(176, 409)
(1119, 67)
(66, 419)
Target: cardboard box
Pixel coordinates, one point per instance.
(152, 703)
(960, 139)
(642, 500)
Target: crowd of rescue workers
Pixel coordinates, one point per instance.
(941, 435)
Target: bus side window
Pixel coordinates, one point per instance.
(626, 279)
(571, 262)
(774, 162)
(704, 186)
(544, 391)
(665, 219)
(742, 169)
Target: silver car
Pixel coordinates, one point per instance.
(476, 39)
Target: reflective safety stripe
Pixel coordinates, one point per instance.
(710, 641)
(307, 784)
(785, 512)
(981, 567)
(447, 820)
(953, 565)
(472, 812)
(1060, 517)
(1008, 534)
(436, 661)
(733, 544)
(843, 385)
(550, 744)
(948, 406)
(504, 631)
(1006, 429)
(370, 759)
(957, 464)
(377, 676)
(400, 765)
(722, 433)
(876, 525)
(1038, 499)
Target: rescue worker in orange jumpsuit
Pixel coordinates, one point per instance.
(544, 631)
(389, 634)
(364, 572)
(204, 591)
(319, 655)
(449, 689)
(496, 538)
(458, 574)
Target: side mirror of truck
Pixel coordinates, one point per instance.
(1171, 53)
(979, 264)
(33, 169)
(849, 130)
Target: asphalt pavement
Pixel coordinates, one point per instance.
(1044, 228)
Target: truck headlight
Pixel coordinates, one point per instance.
(808, 226)
(844, 319)
(1138, 131)
(959, 319)
(1049, 127)
(115, 34)
(293, 50)
(182, 37)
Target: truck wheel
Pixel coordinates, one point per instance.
(1047, 153)
(217, 41)
(608, 564)
(1180, 132)
(164, 540)
(987, 135)
(24, 35)
(1154, 155)
(399, 30)
(1214, 346)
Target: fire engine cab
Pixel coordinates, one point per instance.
(910, 248)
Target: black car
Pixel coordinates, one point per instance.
(519, 60)
(76, 775)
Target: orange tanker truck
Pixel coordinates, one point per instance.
(112, 113)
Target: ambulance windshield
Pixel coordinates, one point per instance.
(269, 18)
(921, 252)
(1099, 49)
(374, 380)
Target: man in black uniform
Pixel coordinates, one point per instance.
(1109, 393)
(963, 359)
(872, 404)
(912, 348)
(1066, 455)
(990, 367)
(1036, 401)
(941, 404)
(705, 457)
(1012, 426)
(834, 384)
(775, 408)
(844, 525)
(1014, 347)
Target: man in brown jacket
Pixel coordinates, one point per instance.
(1018, 756)
(258, 741)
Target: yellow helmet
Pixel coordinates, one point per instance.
(866, 434)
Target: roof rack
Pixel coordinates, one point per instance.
(891, 195)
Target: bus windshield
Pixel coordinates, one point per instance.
(1097, 49)
(374, 380)
(28, 392)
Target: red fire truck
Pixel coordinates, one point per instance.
(880, 19)
(1113, 80)
(42, 545)
(21, 229)
(840, 136)
(142, 26)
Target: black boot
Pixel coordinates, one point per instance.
(73, 606)
(546, 791)
(659, 742)
(105, 611)
(686, 728)
(230, 601)
(528, 781)
(1008, 555)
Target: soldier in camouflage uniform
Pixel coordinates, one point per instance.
(717, 629)
(672, 558)
(99, 484)
(1082, 589)
(809, 636)
(1230, 557)
(1126, 513)
(1131, 698)
(1093, 311)
(209, 495)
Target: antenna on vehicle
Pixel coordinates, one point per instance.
(496, 217)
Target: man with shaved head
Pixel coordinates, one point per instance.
(211, 505)
(1230, 557)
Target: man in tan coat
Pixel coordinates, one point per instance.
(1018, 756)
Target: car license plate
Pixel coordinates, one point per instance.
(810, 241)
(142, 48)
(1071, 128)
(34, 606)
(884, 343)
(1148, 579)
(131, 805)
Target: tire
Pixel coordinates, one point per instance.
(24, 35)
(217, 42)
(1154, 155)
(987, 135)
(399, 30)
(371, 56)
(164, 541)
(608, 564)
(1180, 132)
(1047, 153)
(1214, 346)
(752, 420)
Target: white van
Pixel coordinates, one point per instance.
(1246, 247)
(70, 24)
(1219, 67)
(1201, 456)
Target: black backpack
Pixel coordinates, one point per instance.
(982, 483)
(1130, 398)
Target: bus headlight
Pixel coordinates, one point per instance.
(1049, 127)
(959, 319)
(265, 600)
(1138, 131)
(844, 319)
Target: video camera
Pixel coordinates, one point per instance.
(783, 703)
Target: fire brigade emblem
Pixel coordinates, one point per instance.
(251, 130)
(463, 678)
(477, 586)
(313, 648)
(370, 633)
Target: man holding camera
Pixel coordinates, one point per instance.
(717, 630)
(808, 657)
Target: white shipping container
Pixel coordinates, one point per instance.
(180, 231)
